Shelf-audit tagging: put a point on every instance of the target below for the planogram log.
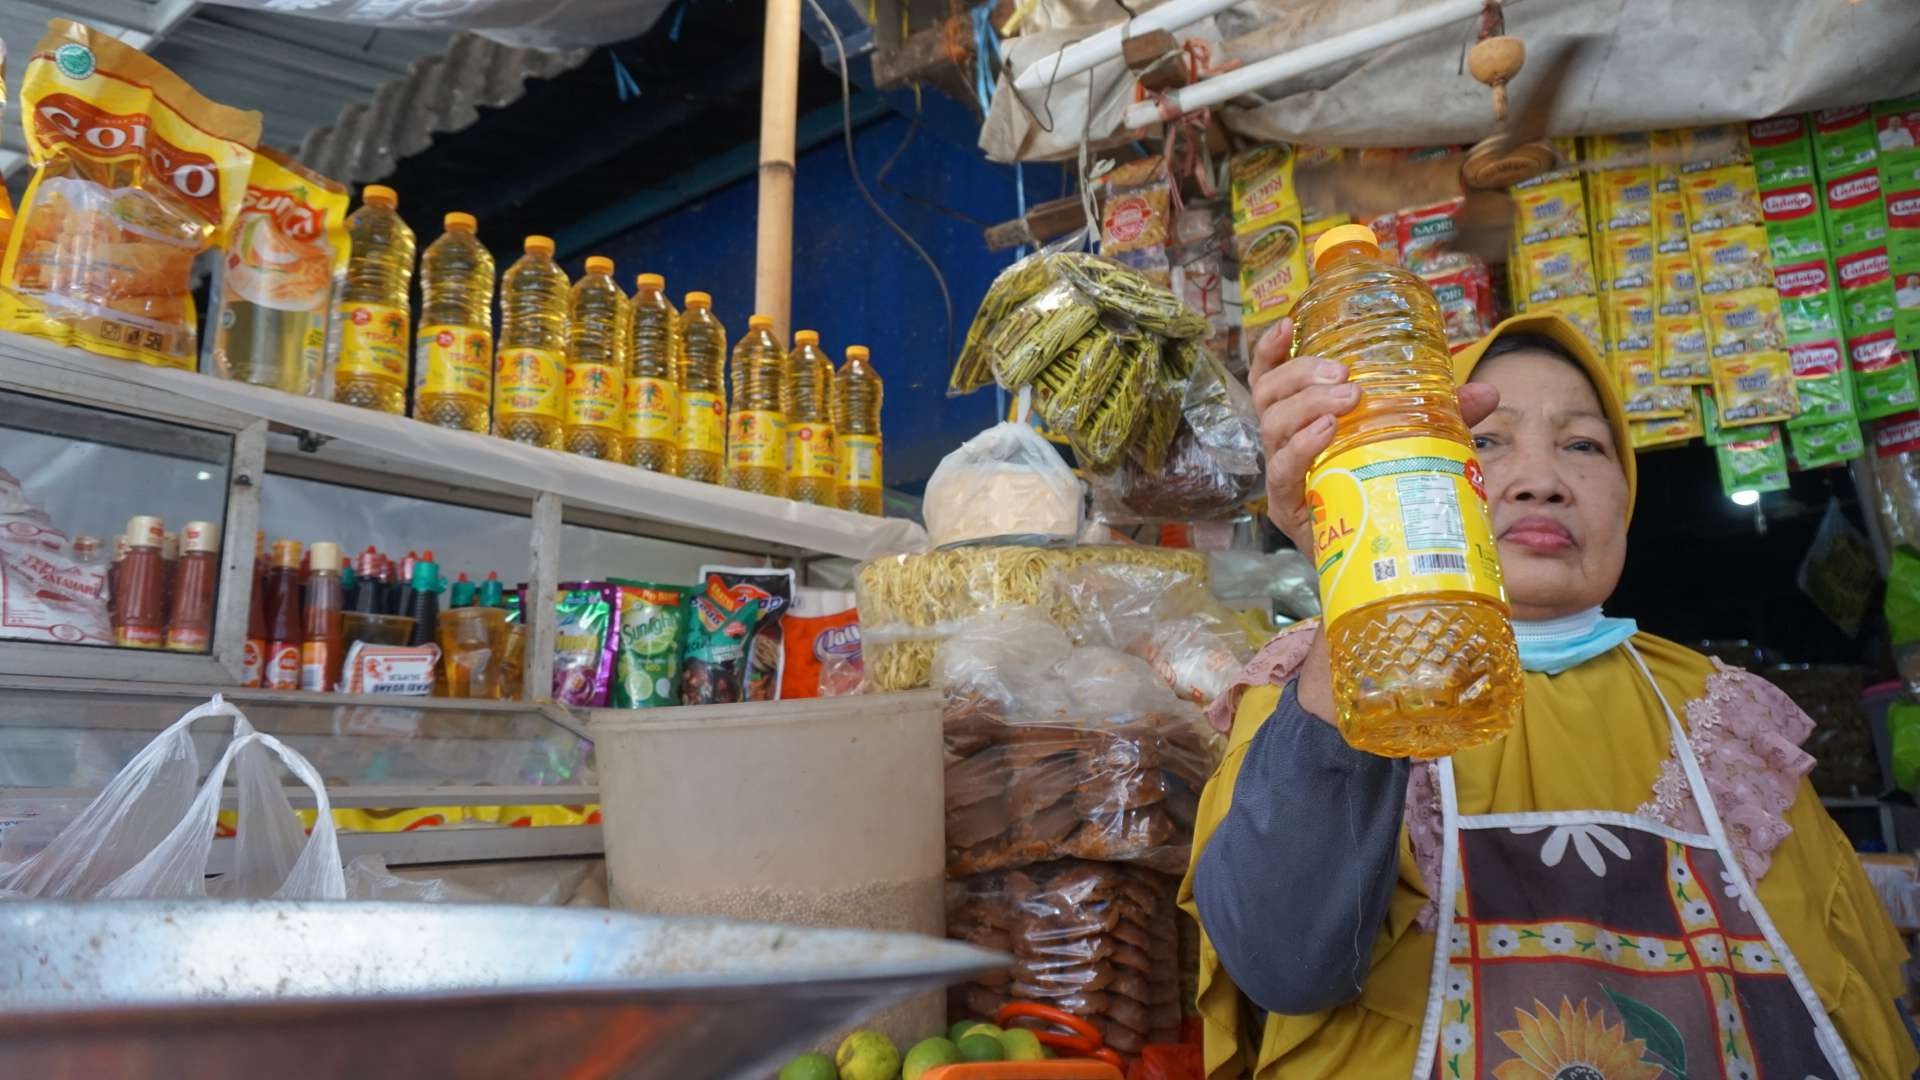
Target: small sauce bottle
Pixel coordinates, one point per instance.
(140, 603)
(113, 581)
(284, 624)
(322, 642)
(190, 623)
(170, 558)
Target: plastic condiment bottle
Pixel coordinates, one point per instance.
(190, 624)
(423, 601)
(856, 427)
(756, 427)
(140, 601)
(596, 362)
(492, 594)
(370, 365)
(652, 392)
(453, 361)
(367, 599)
(1422, 652)
(88, 549)
(807, 399)
(285, 627)
(530, 374)
(322, 632)
(253, 659)
(462, 593)
(703, 392)
(113, 579)
(349, 584)
(170, 558)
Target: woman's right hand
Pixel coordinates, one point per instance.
(1297, 400)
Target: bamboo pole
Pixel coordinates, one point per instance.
(779, 92)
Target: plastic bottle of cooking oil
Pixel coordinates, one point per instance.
(370, 367)
(596, 362)
(1424, 662)
(530, 375)
(703, 392)
(653, 378)
(756, 428)
(856, 424)
(453, 354)
(807, 401)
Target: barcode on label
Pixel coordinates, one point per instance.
(1385, 570)
(1437, 563)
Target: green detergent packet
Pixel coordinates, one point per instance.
(1754, 461)
(653, 627)
(1815, 446)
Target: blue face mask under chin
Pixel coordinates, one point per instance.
(1552, 646)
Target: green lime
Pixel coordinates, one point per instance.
(810, 1067)
(1022, 1045)
(981, 1047)
(979, 1027)
(928, 1054)
(958, 1030)
(867, 1055)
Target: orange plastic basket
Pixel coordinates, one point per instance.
(1027, 1070)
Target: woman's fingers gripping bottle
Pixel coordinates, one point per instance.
(703, 393)
(1423, 655)
(596, 362)
(756, 428)
(856, 425)
(453, 355)
(529, 376)
(808, 403)
(370, 366)
(653, 378)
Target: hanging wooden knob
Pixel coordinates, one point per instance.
(1494, 62)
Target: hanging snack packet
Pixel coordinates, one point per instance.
(1273, 271)
(1680, 343)
(1710, 429)
(1856, 215)
(1136, 217)
(1427, 235)
(719, 633)
(1844, 140)
(1549, 211)
(1630, 317)
(1822, 382)
(1782, 152)
(1676, 282)
(1641, 397)
(1809, 304)
(1710, 146)
(1670, 219)
(1754, 388)
(1817, 446)
(583, 643)
(1721, 197)
(1466, 302)
(1732, 259)
(653, 624)
(273, 290)
(1743, 322)
(1625, 150)
(1867, 296)
(1753, 462)
(1584, 313)
(1626, 258)
(1557, 269)
(1668, 431)
(1795, 227)
(1623, 198)
(816, 646)
(773, 590)
(1261, 183)
(134, 174)
(1883, 376)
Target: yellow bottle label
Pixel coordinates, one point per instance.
(373, 342)
(860, 462)
(810, 452)
(593, 396)
(1398, 518)
(653, 409)
(527, 382)
(703, 422)
(455, 360)
(757, 439)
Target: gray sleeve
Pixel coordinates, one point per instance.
(1293, 884)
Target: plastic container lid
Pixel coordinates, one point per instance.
(286, 553)
(463, 592)
(170, 546)
(426, 575)
(492, 593)
(699, 299)
(805, 337)
(759, 322)
(380, 195)
(534, 245)
(459, 220)
(1343, 234)
(857, 352)
(650, 281)
(599, 264)
(323, 556)
(145, 531)
(200, 536)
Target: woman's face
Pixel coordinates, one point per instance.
(1554, 483)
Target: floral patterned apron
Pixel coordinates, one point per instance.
(1597, 945)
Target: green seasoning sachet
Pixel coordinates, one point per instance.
(653, 626)
(1757, 461)
(1817, 445)
(1884, 380)
(1823, 382)
(718, 632)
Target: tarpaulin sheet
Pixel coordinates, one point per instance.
(527, 24)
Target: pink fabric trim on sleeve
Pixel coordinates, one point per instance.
(1273, 665)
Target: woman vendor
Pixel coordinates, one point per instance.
(1637, 881)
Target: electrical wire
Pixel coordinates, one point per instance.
(853, 166)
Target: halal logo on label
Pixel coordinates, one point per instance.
(74, 60)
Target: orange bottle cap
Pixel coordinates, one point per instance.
(200, 536)
(459, 221)
(1343, 234)
(536, 245)
(599, 264)
(324, 555)
(286, 553)
(699, 299)
(759, 322)
(380, 195)
(650, 281)
(857, 352)
(805, 337)
(145, 531)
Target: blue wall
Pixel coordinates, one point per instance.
(854, 280)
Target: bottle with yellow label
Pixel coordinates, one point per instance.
(856, 424)
(1417, 623)
(453, 353)
(703, 392)
(807, 399)
(653, 378)
(370, 364)
(596, 362)
(529, 375)
(756, 428)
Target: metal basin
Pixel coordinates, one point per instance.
(369, 991)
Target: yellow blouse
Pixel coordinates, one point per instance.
(1593, 737)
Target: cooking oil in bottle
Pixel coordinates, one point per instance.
(529, 378)
(596, 362)
(807, 401)
(370, 367)
(856, 425)
(756, 428)
(453, 354)
(653, 378)
(703, 390)
(1423, 655)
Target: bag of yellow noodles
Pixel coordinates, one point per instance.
(134, 174)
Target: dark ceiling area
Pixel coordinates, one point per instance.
(572, 145)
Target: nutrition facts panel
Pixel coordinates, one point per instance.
(1430, 512)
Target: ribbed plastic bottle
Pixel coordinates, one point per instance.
(807, 400)
(530, 374)
(857, 392)
(1423, 655)
(703, 392)
(596, 362)
(371, 343)
(652, 392)
(453, 354)
(756, 428)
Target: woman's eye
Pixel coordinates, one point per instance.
(1482, 442)
(1586, 446)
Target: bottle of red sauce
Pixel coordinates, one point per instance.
(113, 581)
(322, 641)
(285, 627)
(190, 625)
(253, 660)
(140, 604)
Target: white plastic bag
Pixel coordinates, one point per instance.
(1007, 481)
(149, 834)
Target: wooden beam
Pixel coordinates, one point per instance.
(1043, 222)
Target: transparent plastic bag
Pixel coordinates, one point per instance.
(1195, 646)
(1012, 287)
(1212, 468)
(1005, 481)
(1285, 577)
